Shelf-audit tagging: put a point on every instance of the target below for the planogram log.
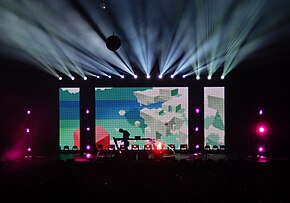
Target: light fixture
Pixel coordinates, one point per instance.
(113, 42)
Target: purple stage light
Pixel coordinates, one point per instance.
(28, 112)
(197, 110)
(260, 112)
(87, 111)
(88, 147)
(88, 129)
(261, 149)
(27, 130)
(196, 129)
(197, 146)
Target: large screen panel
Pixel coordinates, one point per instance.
(214, 116)
(158, 113)
(69, 117)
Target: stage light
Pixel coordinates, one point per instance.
(197, 110)
(28, 112)
(87, 111)
(261, 129)
(197, 146)
(197, 77)
(103, 5)
(122, 76)
(97, 76)
(109, 76)
(160, 76)
(88, 129)
(261, 149)
(196, 129)
(222, 77)
(27, 130)
(88, 155)
(209, 77)
(60, 78)
(85, 78)
(148, 147)
(183, 147)
(135, 76)
(135, 147)
(29, 149)
(172, 76)
(111, 147)
(113, 43)
(88, 147)
(72, 78)
(183, 76)
(260, 112)
(147, 76)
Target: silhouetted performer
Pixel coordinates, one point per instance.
(126, 135)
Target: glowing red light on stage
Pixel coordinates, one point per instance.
(148, 147)
(135, 147)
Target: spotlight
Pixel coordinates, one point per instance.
(60, 78)
(197, 110)
(85, 78)
(135, 76)
(122, 76)
(197, 146)
(183, 76)
(109, 76)
(97, 76)
(209, 77)
(28, 112)
(88, 128)
(113, 43)
(260, 112)
(261, 129)
(87, 111)
(72, 78)
(147, 76)
(88, 147)
(160, 76)
(27, 130)
(261, 149)
(196, 129)
(172, 76)
(222, 77)
(197, 77)
(103, 5)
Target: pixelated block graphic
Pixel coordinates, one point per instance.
(102, 137)
(77, 138)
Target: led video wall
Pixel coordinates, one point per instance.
(214, 116)
(158, 113)
(69, 117)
